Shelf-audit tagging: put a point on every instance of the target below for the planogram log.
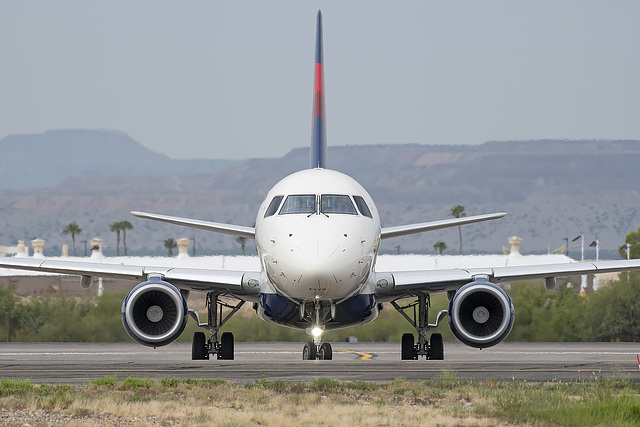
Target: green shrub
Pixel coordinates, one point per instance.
(541, 316)
(136, 383)
(104, 381)
(170, 382)
(15, 388)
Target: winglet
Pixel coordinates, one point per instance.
(318, 132)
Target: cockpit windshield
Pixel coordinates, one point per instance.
(299, 204)
(309, 203)
(337, 204)
(362, 206)
(273, 206)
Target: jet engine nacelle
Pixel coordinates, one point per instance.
(154, 313)
(481, 314)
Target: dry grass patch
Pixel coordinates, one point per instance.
(445, 401)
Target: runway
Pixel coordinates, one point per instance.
(74, 363)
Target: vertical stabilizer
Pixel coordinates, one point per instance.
(318, 131)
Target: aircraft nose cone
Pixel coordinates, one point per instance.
(317, 272)
(318, 252)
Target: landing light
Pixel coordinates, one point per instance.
(317, 332)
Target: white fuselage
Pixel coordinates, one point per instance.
(317, 234)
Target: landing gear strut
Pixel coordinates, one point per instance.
(202, 348)
(318, 314)
(433, 350)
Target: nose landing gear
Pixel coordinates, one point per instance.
(316, 349)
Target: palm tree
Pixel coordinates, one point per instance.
(124, 226)
(243, 243)
(116, 227)
(440, 246)
(72, 229)
(458, 212)
(170, 243)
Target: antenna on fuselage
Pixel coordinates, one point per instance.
(318, 154)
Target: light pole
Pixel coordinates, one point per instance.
(596, 244)
(596, 280)
(627, 249)
(581, 237)
(583, 278)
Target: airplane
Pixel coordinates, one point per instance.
(318, 234)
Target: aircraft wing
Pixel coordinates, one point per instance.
(238, 283)
(391, 285)
(402, 230)
(234, 230)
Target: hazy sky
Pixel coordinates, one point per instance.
(233, 79)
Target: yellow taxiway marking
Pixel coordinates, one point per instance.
(363, 356)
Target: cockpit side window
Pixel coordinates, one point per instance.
(299, 204)
(337, 204)
(273, 206)
(362, 206)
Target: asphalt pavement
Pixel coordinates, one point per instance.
(79, 363)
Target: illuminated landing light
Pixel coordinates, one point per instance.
(317, 332)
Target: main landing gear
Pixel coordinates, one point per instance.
(433, 350)
(318, 315)
(201, 348)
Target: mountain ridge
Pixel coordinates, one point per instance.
(552, 189)
(27, 159)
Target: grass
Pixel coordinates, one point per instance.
(607, 402)
(325, 401)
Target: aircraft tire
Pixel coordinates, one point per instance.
(437, 347)
(309, 351)
(226, 346)
(326, 353)
(198, 347)
(408, 350)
